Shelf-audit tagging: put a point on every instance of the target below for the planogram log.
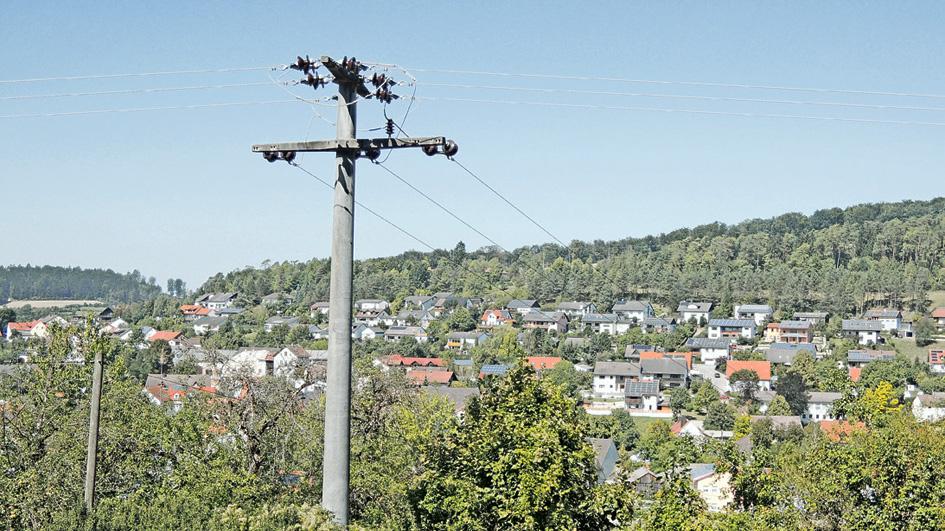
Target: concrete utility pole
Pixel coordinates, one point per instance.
(92, 456)
(347, 149)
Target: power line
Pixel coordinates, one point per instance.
(685, 111)
(687, 97)
(132, 91)
(144, 109)
(685, 83)
(140, 74)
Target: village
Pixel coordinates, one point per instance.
(705, 369)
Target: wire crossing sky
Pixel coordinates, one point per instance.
(127, 129)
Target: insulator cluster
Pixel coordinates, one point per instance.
(273, 156)
(450, 149)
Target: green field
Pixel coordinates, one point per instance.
(909, 349)
(937, 298)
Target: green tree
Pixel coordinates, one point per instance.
(570, 380)
(779, 406)
(924, 332)
(745, 383)
(720, 417)
(678, 401)
(705, 396)
(792, 387)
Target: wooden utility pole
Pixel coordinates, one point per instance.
(92, 449)
(347, 149)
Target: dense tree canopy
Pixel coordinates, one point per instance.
(52, 282)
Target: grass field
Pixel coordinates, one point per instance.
(937, 298)
(909, 349)
(49, 303)
(643, 422)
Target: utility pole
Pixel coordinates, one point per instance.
(347, 74)
(92, 456)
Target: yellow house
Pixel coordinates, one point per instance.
(713, 488)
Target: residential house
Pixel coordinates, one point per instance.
(371, 305)
(859, 358)
(784, 353)
(576, 308)
(116, 326)
(217, 301)
(363, 332)
(493, 318)
(105, 314)
(172, 338)
(796, 332)
(611, 378)
(668, 371)
(318, 332)
(937, 361)
(396, 333)
(634, 311)
(605, 323)
(250, 361)
(700, 312)
(173, 389)
(422, 318)
(465, 340)
(375, 318)
(320, 307)
(605, 458)
(645, 482)
(552, 322)
(288, 360)
(759, 313)
(396, 360)
(229, 311)
(713, 487)
(430, 376)
(820, 406)
(542, 363)
(891, 319)
(204, 325)
(839, 430)
(278, 320)
(732, 328)
(938, 315)
(522, 306)
(193, 311)
(780, 422)
(929, 407)
(864, 331)
(813, 317)
(445, 302)
(761, 368)
(274, 299)
(658, 325)
(419, 302)
(642, 395)
(27, 329)
(685, 357)
(632, 352)
(710, 349)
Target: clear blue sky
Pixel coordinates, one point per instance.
(178, 193)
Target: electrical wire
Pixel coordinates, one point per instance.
(131, 91)
(144, 74)
(144, 109)
(685, 111)
(684, 83)
(687, 97)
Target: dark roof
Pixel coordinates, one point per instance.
(795, 324)
(631, 306)
(883, 314)
(616, 368)
(740, 323)
(599, 318)
(862, 325)
(663, 366)
(687, 306)
(870, 355)
(639, 389)
(543, 317)
(704, 342)
(573, 305)
(522, 303)
(754, 308)
(494, 369)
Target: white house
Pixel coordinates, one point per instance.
(732, 328)
(642, 396)
(371, 305)
(611, 377)
(522, 306)
(288, 322)
(759, 313)
(606, 323)
(217, 301)
(710, 349)
(866, 332)
(552, 322)
(396, 333)
(890, 319)
(929, 407)
(714, 488)
(207, 324)
(576, 308)
(633, 310)
(701, 312)
(820, 406)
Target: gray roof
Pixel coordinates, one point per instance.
(573, 305)
(639, 389)
(405, 331)
(810, 315)
(576, 341)
(806, 325)
(699, 470)
(221, 297)
(465, 335)
(522, 303)
(822, 397)
(739, 323)
(631, 306)
(754, 308)
(616, 368)
(279, 320)
(687, 306)
(862, 325)
(639, 473)
(883, 314)
(870, 355)
(543, 317)
(779, 421)
(657, 321)
(211, 321)
(599, 318)
(704, 342)
(785, 352)
(664, 366)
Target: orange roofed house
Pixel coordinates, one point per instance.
(193, 311)
(761, 368)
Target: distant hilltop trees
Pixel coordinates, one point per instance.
(74, 283)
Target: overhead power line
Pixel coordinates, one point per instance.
(682, 111)
(686, 97)
(133, 91)
(144, 109)
(140, 74)
(789, 88)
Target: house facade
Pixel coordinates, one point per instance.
(700, 312)
(890, 319)
(611, 378)
(634, 311)
(864, 331)
(820, 406)
(759, 313)
(732, 328)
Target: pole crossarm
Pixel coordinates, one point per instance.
(343, 75)
(363, 144)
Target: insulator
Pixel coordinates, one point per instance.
(288, 156)
(389, 127)
(450, 149)
(430, 150)
(373, 154)
(271, 156)
(378, 79)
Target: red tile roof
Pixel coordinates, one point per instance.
(761, 368)
(855, 373)
(423, 377)
(193, 309)
(540, 363)
(163, 335)
(835, 430)
(24, 326)
(939, 313)
(396, 360)
(650, 355)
